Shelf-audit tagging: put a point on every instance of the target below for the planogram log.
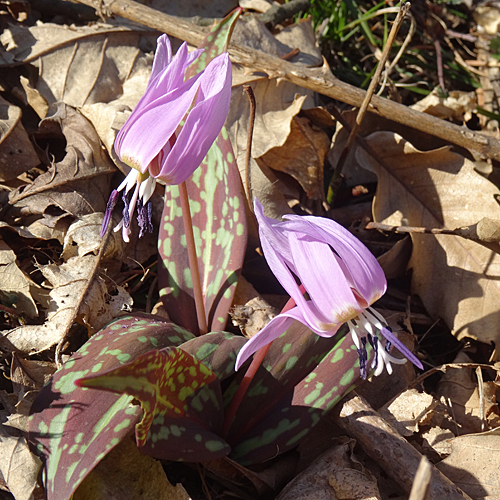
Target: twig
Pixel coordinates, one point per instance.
(439, 62)
(278, 12)
(248, 156)
(409, 229)
(193, 260)
(318, 79)
(366, 101)
(422, 483)
(480, 389)
(389, 449)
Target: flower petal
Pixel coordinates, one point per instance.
(366, 272)
(163, 56)
(148, 131)
(278, 325)
(203, 123)
(319, 271)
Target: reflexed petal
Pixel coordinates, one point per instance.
(363, 266)
(163, 56)
(320, 273)
(202, 125)
(149, 131)
(269, 229)
(277, 326)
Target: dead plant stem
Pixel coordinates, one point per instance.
(248, 156)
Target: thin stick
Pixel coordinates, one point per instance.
(248, 156)
(193, 260)
(248, 377)
(410, 229)
(422, 482)
(319, 79)
(366, 101)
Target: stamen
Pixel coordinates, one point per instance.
(125, 211)
(144, 217)
(363, 358)
(373, 339)
(109, 210)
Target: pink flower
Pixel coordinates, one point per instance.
(341, 279)
(171, 129)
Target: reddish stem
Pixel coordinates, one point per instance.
(248, 377)
(193, 260)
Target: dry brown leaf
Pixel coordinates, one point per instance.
(456, 279)
(395, 261)
(76, 185)
(302, 156)
(127, 474)
(408, 411)
(77, 292)
(458, 390)
(473, 464)
(77, 65)
(15, 286)
(18, 466)
(336, 474)
(17, 154)
(458, 105)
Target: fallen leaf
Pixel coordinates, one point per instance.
(473, 464)
(77, 292)
(458, 390)
(127, 474)
(76, 185)
(409, 411)
(15, 286)
(456, 279)
(457, 105)
(17, 154)
(18, 466)
(302, 156)
(77, 65)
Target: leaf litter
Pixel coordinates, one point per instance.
(60, 282)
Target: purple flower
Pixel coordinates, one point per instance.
(341, 279)
(171, 129)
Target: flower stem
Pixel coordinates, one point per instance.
(193, 260)
(247, 380)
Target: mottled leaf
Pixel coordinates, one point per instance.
(178, 399)
(301, 408)
(73, 428)
(215, 43)
(218, 212)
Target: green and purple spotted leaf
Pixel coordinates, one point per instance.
(219, 222)
(298, 410)
(73, 428)
(164, 383)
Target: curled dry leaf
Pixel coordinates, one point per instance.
(473, 464)
(76, 184)
(76, 65)
(127, 474)
(302, 156)
(18, 466)
(15, 286)
(456, 279)
(336, 474)
(459, 392)
(458, 105)
(77, 293)
(408, 411)
(17, 154)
